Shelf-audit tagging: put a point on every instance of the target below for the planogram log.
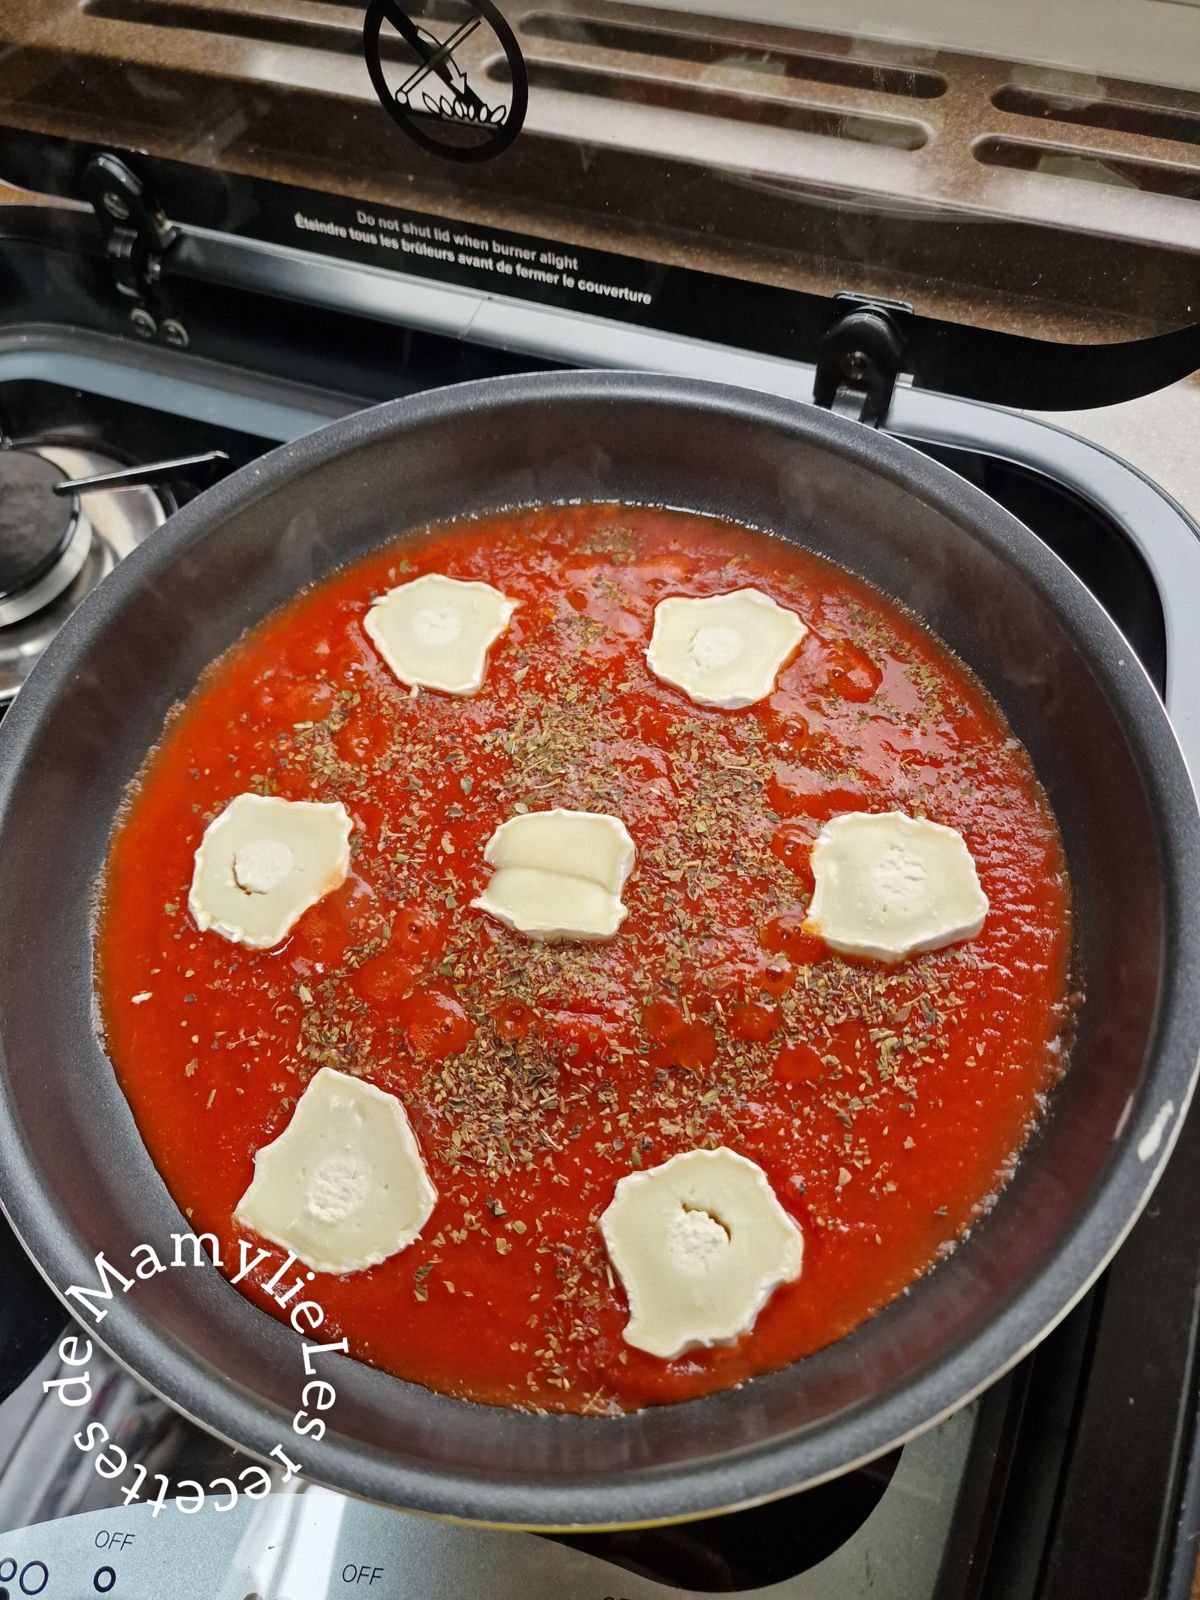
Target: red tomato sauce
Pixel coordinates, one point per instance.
(885, 1104)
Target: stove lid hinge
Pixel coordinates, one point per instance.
(137, 236)
(861, 357)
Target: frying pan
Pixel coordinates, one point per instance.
(75, 1178)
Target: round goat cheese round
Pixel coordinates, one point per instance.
(435, 632)
(559, 874)
(263, 862)
(888, 886)
(700, 1245)
(343, 1187)
(726, 650)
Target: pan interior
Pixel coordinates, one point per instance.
(984, 587)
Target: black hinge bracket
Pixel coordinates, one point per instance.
(861, 357)
(137, 236)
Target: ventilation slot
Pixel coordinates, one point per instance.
(794, 117)
(419, 10)
(1118, 116)
(1121, 172)
(339, 38)
(804, 66)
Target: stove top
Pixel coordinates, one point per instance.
(1075, 1474)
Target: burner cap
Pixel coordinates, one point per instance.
(35, 524)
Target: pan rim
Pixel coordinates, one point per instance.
(921, 1398)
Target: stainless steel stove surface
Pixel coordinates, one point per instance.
(991, 1503)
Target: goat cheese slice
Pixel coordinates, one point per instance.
(435, 632)
(700, 1245)
(559, 874)
(343, 1187)
(263, 862)
(724, 651)
(889, 885)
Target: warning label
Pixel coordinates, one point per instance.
(477, 258)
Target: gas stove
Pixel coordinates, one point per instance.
(1077, 1473)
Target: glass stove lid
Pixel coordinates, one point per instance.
(1027, 167)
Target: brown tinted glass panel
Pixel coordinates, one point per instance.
(930, 161)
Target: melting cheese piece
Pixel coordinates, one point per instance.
(700, 1243)
(435, 632)
(343, 1187)
(888, 886)
(263, 862)
(559, 874)
(726, 651)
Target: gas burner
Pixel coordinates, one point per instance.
(53, 551)
(44, 537)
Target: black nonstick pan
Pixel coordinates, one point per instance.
(75, 1179)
